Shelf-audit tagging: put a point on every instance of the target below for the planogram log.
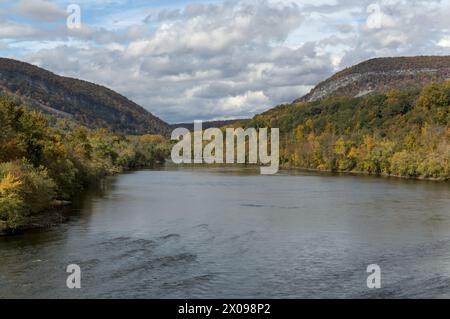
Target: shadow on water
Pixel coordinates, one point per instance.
(80, 209)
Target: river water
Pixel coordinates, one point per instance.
(232, 233)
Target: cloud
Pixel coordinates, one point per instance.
(10, 29)
(207, 29)
(444, 42)
(207, 61)
(39, 10)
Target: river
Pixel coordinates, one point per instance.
(232, 233)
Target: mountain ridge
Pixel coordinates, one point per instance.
(88, 103)
(381, 75)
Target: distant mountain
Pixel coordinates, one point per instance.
(207, 124)
(382, 75)
(90, 104)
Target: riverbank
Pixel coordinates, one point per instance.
(51, 217)
(58, 210)
(42, 161)
(418, 178)
(305, 169)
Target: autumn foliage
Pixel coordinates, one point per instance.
(40, 162)
(401, 133)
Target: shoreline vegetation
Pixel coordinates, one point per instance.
(44, 165)
(314, 170)
(402, 133)
(361, 173)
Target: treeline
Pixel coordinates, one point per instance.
(40, 163)
(401, 133)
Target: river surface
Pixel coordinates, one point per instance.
(232, 233)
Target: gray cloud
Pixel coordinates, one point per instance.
(11, 29)
(39, 10)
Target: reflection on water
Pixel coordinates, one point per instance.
(216, 232)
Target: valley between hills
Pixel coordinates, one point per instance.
(386, 116)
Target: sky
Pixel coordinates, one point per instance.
(213, 60)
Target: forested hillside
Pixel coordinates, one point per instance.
(89, 104)
(402, 133)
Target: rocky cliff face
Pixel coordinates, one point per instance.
(382, 75)
(92, 105)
